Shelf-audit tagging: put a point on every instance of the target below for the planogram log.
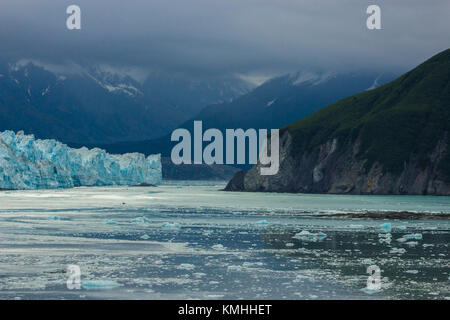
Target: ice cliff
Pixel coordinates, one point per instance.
(28, 163)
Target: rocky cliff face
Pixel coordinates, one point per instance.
(329, 169)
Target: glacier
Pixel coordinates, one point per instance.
(29, 163)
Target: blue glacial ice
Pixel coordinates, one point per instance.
(99, 284)
(29, 163)
(416, 236)
(170, 225)
(309, 236)
(386, 227)
(140, 220)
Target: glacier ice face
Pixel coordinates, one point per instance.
(28, 163)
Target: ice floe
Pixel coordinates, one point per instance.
(29, 163)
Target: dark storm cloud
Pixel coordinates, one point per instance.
(216, 37)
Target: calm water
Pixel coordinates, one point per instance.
(180, 241)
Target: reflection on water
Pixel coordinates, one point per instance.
(179, 241)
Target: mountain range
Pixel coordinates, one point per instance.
(121, 111)
(273, 104)
(100, 104)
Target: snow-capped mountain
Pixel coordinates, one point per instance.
(194, 94)
(93, 104)
(114, 82)
(281, 100)
(311, 78)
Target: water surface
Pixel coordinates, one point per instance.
(191, 240)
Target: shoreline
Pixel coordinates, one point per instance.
(398, 215)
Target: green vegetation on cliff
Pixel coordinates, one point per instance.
(405, 117)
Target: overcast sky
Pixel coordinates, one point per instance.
(220, 37)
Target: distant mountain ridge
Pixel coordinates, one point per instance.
(280, 100)
(273, 104)
(96, 104)
(390, 140)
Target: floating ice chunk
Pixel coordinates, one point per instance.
(215, 296)
(426, 245)
(53, 218)
(412, 243)
(111, 222)
(199, 275)
(252, 264)
(400, 227)
(186, 266)
(99, 284)
(308, 236)
(412, 271)
(385, 235)
(416, 236)
(401, 239)
(289, 244)
(145, 237)
(385, 238)
(140, 220)
(301, 277)
(368, 261)
(233, 268)
(370, 291)
(303, 233)
(397, 250)
(386, 227)
(218, 247)
(356, 226)
(171, 225)
(262, 222)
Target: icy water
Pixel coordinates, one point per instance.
(185, 241)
